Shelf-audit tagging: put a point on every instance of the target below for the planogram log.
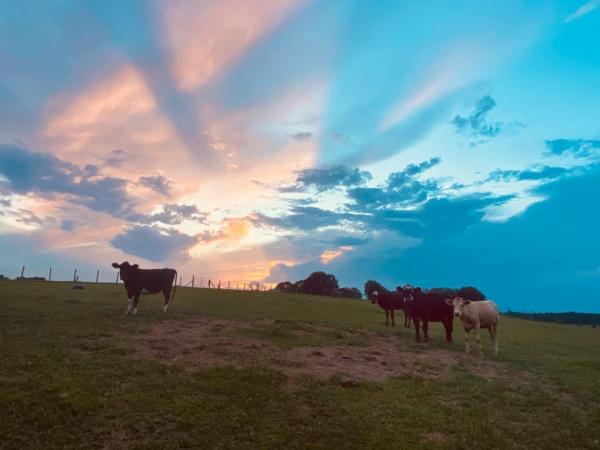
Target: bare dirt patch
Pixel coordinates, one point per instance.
(209, 342)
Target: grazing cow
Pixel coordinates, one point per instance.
(390, 301)
(149, 281)
(427, 307)
(477, 315)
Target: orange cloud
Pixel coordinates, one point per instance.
(329, 255)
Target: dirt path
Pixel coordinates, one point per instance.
(209, 342)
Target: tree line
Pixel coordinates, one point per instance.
(322, 283)
(571, 318)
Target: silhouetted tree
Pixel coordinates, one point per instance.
(319, 283)
(446, 292)
(285, 286)
(373, 285)
(470, 293)
(347, 292)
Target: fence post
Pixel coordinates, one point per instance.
(228, 284)
(50, 275)
(97, 275)
(201, 279)
(219, 285)
(22, 271)
(75, 276)
(193, 276)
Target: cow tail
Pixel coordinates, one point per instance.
(174, 287)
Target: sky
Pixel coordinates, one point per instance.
(415, 142)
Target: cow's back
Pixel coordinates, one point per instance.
(155, 280)
(430, 307)
(487, 312)
(390, 300)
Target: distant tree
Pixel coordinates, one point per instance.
(470, 293)
(319, 283)
(298, 286)
(446, 292)
(373, 285)
(285, 286)
(347, 292)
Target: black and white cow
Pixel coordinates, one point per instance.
(150, 281)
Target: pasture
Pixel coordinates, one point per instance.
(234, 369)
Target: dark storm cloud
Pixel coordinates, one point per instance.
(154, 244)
(328, 177)
(44, 174)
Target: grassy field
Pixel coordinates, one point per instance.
(227, 369)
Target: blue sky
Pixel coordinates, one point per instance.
(407, 142)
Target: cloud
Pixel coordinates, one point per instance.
(579, 148)
(401, 188)
(477, 123)
(171, 214)
(115, 158)
(157, 183)
(303, 136)
(67, 225)
(327, 177)
(533, 174)
(302, 218)
(154, 244)
(584, 9)
(27, 217)
(44, 174)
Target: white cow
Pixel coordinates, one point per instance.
(477, 315)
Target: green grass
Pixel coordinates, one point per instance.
(70, 378)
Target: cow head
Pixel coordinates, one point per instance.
(373, 296)
(458, 303)
(126, 270)
(408, 292)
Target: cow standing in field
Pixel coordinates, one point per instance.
(425, 307)
(150, 281)
(389, 302)
(477, 315)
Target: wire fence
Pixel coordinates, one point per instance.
(193, 281)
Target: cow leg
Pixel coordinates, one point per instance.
(478, 338)
(392, 314)
(136, 298)
(387, 318)
(448, 328)
(467, 343)
(494, 335)
(129, 305)
(426, 330)
(167, 295)
(417, 324)
(406, 320)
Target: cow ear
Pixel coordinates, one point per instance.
(449, 301)
(115, 265)
(135, 266)
(466, 302)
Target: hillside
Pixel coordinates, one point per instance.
(232, 369)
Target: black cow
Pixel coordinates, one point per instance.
(427, 307)
(149, 281)
(390, 301)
